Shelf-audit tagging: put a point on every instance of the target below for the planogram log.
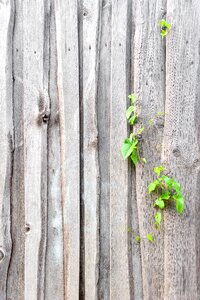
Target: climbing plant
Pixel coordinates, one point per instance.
(164, 190)
(131, 145)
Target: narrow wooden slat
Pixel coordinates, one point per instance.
(54, 261)
(119, 272)
(6, 143)
(181, 149)
(91, 33)
(135, 266)
(15, 284)
(68, 92)
(103, 118)
(149, 86)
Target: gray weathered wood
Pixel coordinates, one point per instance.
(119, 272)
(103, 119)
(70, 206)
(181, 149)
(6, 143)
(91, 34)
(149, 84)
(54, 283)
(66, 14)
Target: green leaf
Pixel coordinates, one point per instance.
(179, 203)
(150, 237)
(132, 98)
(176, 186)
(165, 195)
(165, 27)
(132, 120)
(152, 186)
(158, 170)
(129, 111)
(141, 130)
(168, 181)
(127, 148)
(137, 239)
(134, 157)
(158, 218)
(160, 203)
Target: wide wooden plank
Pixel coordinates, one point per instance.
(149, 86)
(119, 271)
(181, 149)
(6, 142)
(91, 33)
(66, 13)
(35, 109)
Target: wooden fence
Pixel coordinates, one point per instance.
(70, 206)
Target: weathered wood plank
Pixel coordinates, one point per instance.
(91, 34)
(119, 272)
(35, 107)
(54, 281)
(15, 285)
(181, 148)
(103, 122)
(6, 143)
(68, 91)
(149, 83)
(135, 268)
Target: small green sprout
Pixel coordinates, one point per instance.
(150, 237)
(137, 239)
(164, 27)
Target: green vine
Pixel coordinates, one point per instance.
(131, 145)
(166, 191)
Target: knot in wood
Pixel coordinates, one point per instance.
(27, 228)
(176, 152)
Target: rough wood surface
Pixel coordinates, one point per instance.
(91, 44)
(6, 144)
(181, 150)
(149, 85)
(68, 93)
(70, 206)
(119, 272)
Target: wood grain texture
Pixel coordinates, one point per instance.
(70, 206)
(181, 149)
(149, 86)
(54, 280)
(91, 34)
(68, 93)
(6, 144)
(35, 107)
(103, 124)
(15, 284)
(119, 272)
